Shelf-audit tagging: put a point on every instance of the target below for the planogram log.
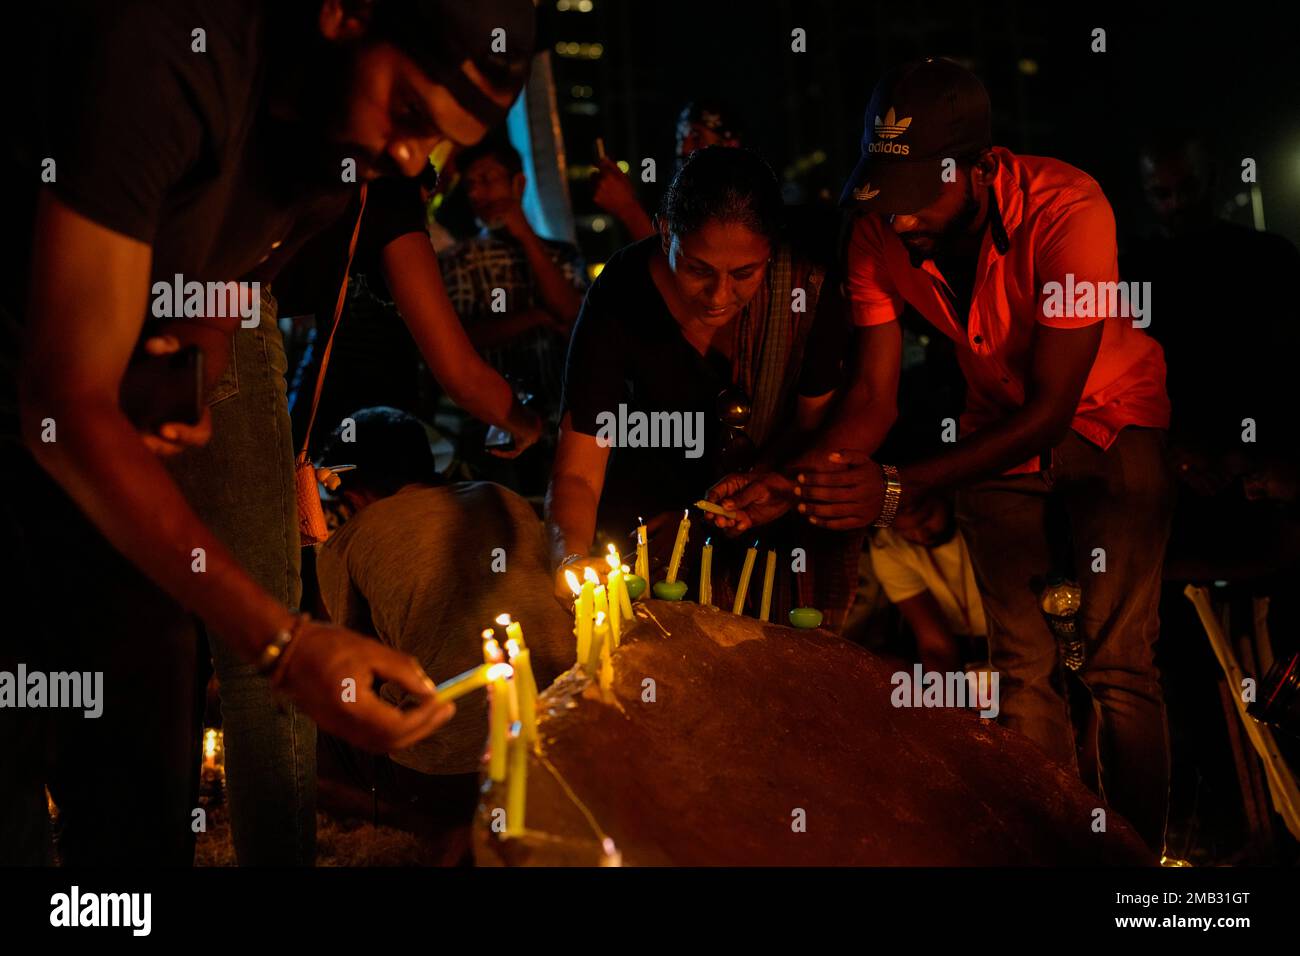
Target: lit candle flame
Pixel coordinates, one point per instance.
(512, 648)
(600, 619)
(613, 559)
(626, 570)
(500, 672)
(503, 620)
(487, 634)
(573, 582)
(589, 574)
(492, 650)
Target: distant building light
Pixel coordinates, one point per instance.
(584, 6)
(586, 51)
(819, 156)
(598, 224)
(1028, 66)
(582, 109)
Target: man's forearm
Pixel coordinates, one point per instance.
(570, 518)
(494, 330)
(990, 451)
(99, 460)
(859, 420)
(557, 293)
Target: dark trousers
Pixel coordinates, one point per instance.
(1119, 500)
(126, 782)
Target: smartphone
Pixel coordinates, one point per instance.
(158, 389)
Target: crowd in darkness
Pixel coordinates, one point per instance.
(877, 380)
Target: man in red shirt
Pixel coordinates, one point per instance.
(1014, 259)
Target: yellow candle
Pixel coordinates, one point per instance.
(606, 668)
(498, 725)
(525, 687)
(583, 608)
(465, 683)
(626, 598)
(769, 577)
(618, 587)
(598, 642)
(679, 546)
(517, 790)
(642, 553)
(706, 573)
(745, 572)
(514, 631)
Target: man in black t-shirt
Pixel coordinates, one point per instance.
(157, 140)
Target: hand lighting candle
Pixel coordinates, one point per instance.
(750, 556)
(769, 577)
(462, 684)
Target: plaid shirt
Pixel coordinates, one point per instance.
(471, 270)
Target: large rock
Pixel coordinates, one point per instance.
(753, 722)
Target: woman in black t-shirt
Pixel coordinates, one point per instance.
(699, 353)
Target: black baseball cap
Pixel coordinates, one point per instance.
(920, 114)
(496, 36)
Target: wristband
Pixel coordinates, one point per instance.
(273, 653)
(893, 495)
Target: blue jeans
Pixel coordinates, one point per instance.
(242, 486)
(1019, 529)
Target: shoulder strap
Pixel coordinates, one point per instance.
(338, 314)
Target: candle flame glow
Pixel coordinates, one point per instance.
(589, 574)
(500, 672)
(487, 633)
(600, 619)
(512, 648)
(503, 620)
(626, 570)
(572, 579)
(492, 649)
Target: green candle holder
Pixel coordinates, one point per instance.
(635, 585)
(806, 617)
(669, 590)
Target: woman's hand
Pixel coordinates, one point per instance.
(845, 490)
(757, 498)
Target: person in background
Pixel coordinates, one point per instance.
(702, 123)
(1233, 493)
(413, 567)
(516, 293)
(922, 563)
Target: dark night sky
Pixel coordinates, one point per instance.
(1233, 75)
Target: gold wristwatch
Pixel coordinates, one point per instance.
(893, 494)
